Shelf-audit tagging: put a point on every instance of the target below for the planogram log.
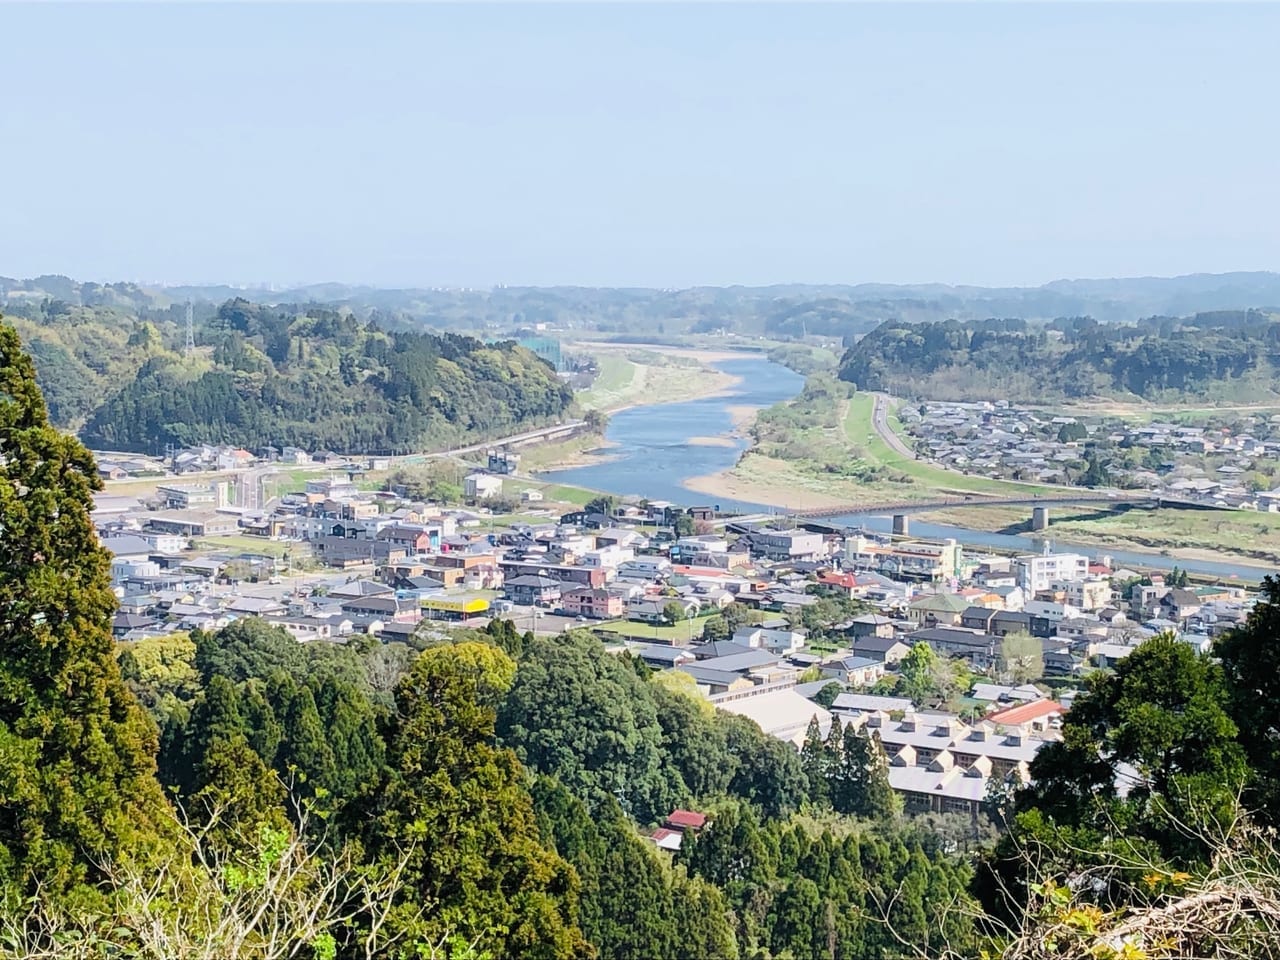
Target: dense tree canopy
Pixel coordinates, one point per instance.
(77, 781)
(324, 380)
(1013, 359)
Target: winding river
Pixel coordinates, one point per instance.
(655, 448)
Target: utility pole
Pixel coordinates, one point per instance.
(191, 331)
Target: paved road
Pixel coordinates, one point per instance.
(250, 487)
(516, 439)
(880, 422)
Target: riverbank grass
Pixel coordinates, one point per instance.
(637, 377)
(613, 381)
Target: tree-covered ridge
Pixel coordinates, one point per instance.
(1212, 355)
(325, 380)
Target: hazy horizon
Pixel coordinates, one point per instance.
(659, 146)
(292, 285)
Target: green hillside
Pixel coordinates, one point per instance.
(324, 379)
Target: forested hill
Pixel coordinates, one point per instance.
(325, 380)
(1219, 355)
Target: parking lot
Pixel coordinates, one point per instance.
(542, 621)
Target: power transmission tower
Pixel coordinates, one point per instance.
(191, 331)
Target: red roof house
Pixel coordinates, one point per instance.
(1026, 713)
(685, 820)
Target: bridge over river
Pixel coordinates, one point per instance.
(1039, 505)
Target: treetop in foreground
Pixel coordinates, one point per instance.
(77, 754)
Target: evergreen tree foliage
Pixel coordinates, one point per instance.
(1250, 658)
(77, 753)
(816, 762)
(1159, 723)
(248, 647)
(824, 889)
(767, 772)
(580, 715)
(459, 803)
(860, 780)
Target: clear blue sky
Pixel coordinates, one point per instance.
(658, 144)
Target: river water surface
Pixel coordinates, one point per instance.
(652, 456)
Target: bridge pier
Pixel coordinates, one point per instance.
(901, 525)
(1040, 518)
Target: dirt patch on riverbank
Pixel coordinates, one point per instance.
(769, 483)
(711, 442)
(701, 354)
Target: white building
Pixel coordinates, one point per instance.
(607, 558)
(1053, 612)
(645, 568)
(164, 542)
(481, 486)
(1039, 572)
(332, 488)
(780, 642)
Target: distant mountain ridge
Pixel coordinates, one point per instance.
(854, 308)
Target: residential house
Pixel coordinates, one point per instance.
(781, 642)
(599, 603)
(660, 656)
(937, 610)
(1006, 622)
(255, 606)
(384, 608)
(360, 588)
(566, 573)
(887, 650)
(870, 625)
(533, 590)
(653, 609)
(711, 682)
(854, 671)
(1179, 604)
(978, 618)
(409, 538)
(306, 628)
(123, 624)
(686, 821)
(843, 584)
(980, 649)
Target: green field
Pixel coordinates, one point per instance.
(555, 493)
(688, 630)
